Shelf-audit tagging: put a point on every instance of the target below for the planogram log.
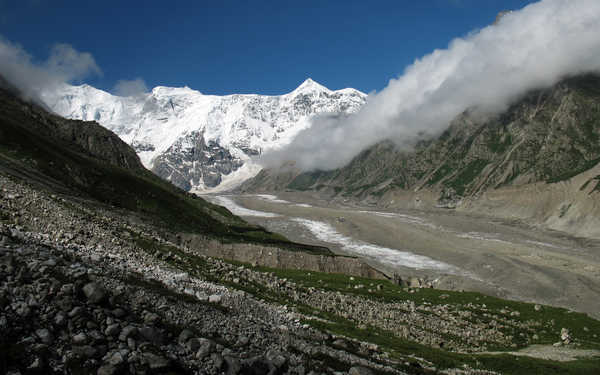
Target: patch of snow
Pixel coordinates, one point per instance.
(543, 244)
(327, 233)
(405, 218)
(237, 209)
(271, 198)
(303, 205)
(230, 181)
(482, 237)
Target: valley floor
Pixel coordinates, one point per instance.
(455, 251)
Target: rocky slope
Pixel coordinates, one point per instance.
(89, 289)
(98, 275)
(200, 141)
(546, 137)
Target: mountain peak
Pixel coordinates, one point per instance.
(309, 85)
(230, 129)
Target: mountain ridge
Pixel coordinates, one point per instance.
(547, 136)
(240, 125)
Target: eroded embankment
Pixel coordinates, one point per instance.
(274, 257)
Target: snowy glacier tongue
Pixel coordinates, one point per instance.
(236, 209)
(179, 132)
(327, 233)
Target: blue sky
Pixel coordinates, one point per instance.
(266, 47)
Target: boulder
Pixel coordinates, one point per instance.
(94, 292)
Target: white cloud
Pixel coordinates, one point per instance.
(130, 87)
(64, 64)
(69, 64)
(486, 71)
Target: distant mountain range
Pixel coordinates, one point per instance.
(203, 142)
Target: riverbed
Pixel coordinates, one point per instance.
(456, 251)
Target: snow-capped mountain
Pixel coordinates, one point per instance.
(203, 142)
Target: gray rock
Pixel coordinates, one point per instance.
(414, 282)
(85, 351)
(565, 336)
(359, 370)
(45, 336)
(126, 332)
(131, 344)
(151, 334)
(66, 289)
(233, 365)
(117, 358)
(206, 348)
(151, 318)
(242, 341)
(276, 358)
(184, 336)
(94, 292)
(76, 311)
(218, 361)
(36, 365)
(193, 344)
(107, 369)
(60, 319)
(112, 330)
(215, 298)
(50, 262)
(23, 310)
(155, 362)
(119, 313)
(80, 339)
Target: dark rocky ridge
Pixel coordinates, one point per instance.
(87, 137)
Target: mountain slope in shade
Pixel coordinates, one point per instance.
(200, 141)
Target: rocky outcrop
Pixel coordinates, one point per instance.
(190, 162)
(87, 137)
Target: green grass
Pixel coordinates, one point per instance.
(400, 348)
(305, 180)
(580, 168)
(466, 175)
(439, 174)
(499, 143)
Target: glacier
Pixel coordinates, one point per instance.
(203, 143)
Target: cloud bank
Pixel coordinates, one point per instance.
(64, 64)
(528, 49)
(130, 87)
